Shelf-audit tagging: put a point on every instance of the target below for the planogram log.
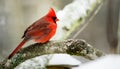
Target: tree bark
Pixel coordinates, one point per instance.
(71, 46)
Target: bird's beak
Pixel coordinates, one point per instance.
(57, 19)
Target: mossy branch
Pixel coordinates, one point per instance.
(71, 46)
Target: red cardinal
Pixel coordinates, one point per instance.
(40, 31)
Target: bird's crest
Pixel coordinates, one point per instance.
(51, 12)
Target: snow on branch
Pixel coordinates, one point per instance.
(73, 15)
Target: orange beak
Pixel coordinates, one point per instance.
(57, 19)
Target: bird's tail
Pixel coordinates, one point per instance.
(17, 48)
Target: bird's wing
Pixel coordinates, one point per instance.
(37, 29)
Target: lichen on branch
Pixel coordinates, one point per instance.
(71, 46)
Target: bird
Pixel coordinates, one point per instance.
(41, 31)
